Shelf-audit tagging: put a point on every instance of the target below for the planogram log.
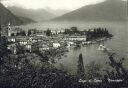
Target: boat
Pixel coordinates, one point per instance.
(103, 48)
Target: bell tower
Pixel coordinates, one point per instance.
(9, 29)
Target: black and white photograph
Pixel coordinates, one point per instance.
(63, 44)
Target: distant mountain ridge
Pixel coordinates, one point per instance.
(109, 10)
(58, 12)
(38, 15)
(7, 16)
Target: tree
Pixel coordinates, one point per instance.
(48, 32)
(3, 52)
(74, 30)
(118, 72)
(29, 32)
(80, 67)
(22, 33)
(0, 28)
(93, 70)
(118, 66)
(20, 49)
(3, 46)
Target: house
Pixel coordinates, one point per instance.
(23, 42)
(56, 45)
(75, 38)
(43, 46)
(41, 35)
(22, 39)
(62, 31)
(15, 31)
(33, 39)
(11, 39)
(69, 44)
(12, 48)
(54, 32)
(29, 46)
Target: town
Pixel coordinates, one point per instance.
(44, 42)
(40, 49)
(63, 44)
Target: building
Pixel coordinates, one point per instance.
(23, 42)
(29, 46)
(11, 39)
(12, 48)
(9, 29)
(42, 46)
(56, 32)
(32, 32)
(56, 45)
(16, 31)
(75, 38)
(69, 44)
(40, 35)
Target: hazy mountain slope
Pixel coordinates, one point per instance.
(37, 15)
(110, 10)
(26, 20)
(58, 12)
(7, 16)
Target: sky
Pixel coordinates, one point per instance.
(53, 4)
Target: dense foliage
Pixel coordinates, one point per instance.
(97, 33)
(48, 32)
(27, 70)
(90, 34)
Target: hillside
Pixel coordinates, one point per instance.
(37, 15)
(7, 16)
(109, 10)
(58, 12)
(26, 20)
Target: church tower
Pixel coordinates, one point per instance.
(9, 29)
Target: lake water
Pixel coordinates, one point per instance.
(118, 44)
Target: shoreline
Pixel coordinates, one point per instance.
(67, 49)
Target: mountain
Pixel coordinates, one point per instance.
(26, 20)
(7, 16)
(37, 15)
(58, 12)
(109, 10)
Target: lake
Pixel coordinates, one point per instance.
(118, 44)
